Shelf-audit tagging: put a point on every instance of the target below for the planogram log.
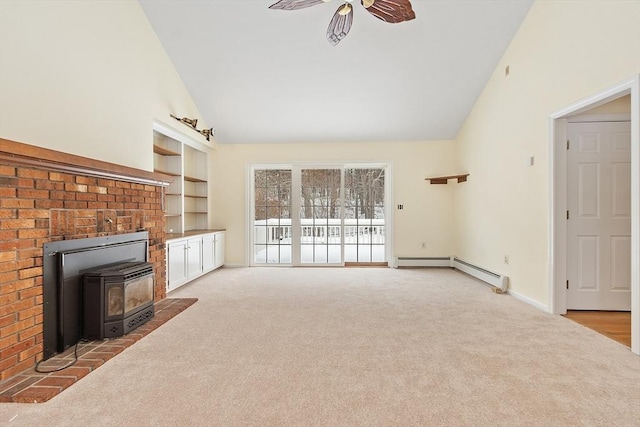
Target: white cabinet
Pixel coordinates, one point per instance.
(212, 251)
(176, 264)
(192, 256)
(208, 252)
(218, 249)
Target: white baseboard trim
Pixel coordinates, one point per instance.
(526, 299)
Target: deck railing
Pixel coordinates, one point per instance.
(368, 231)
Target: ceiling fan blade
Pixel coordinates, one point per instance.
(392, 11)
(340, 24)
(295, 4)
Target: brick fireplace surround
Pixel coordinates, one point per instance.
(49, 196)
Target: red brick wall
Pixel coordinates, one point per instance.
(39, 206)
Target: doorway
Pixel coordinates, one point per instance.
(558, 200)
(599, 213)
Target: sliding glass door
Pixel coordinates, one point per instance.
(318, 216)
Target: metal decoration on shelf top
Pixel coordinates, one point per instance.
(392, 11)
(207, 133)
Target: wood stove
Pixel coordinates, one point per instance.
(117, 299)
(65, 264)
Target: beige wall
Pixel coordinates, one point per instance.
(564, 51)
(87, 78)
(617, 106)
(427, 213)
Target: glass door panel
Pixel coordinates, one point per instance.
(320, 216)
(364, 215)
(272, 216)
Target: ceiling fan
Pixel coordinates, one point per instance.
(392, 11)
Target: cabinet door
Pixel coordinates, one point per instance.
(219, 249)
(194, 258)
(208, 253)
(176, 264)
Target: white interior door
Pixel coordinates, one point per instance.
(599, 216)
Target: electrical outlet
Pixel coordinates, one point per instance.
(506, 259)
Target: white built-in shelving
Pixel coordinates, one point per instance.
(186, 200)
(193, 249)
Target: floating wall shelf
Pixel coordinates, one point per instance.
(445, 179)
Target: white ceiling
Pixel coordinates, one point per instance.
(262, 75)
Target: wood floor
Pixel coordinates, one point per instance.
(613, 324)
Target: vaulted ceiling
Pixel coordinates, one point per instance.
(261, 75)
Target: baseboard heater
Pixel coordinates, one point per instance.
(498, 281)
(423, 262)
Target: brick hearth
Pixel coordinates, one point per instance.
(33, 387)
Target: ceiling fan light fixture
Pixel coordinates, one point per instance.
(391, 11)
(345, 9)
(340, 24)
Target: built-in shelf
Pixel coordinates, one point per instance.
(186, 201)
(166, 172)
(164, 152)
(194, 179)
(445, 179)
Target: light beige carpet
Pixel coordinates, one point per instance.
(353, 347)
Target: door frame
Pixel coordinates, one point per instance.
(557, 231)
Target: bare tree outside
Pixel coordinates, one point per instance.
(364, 193)
(272, 188)
(320, 193)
